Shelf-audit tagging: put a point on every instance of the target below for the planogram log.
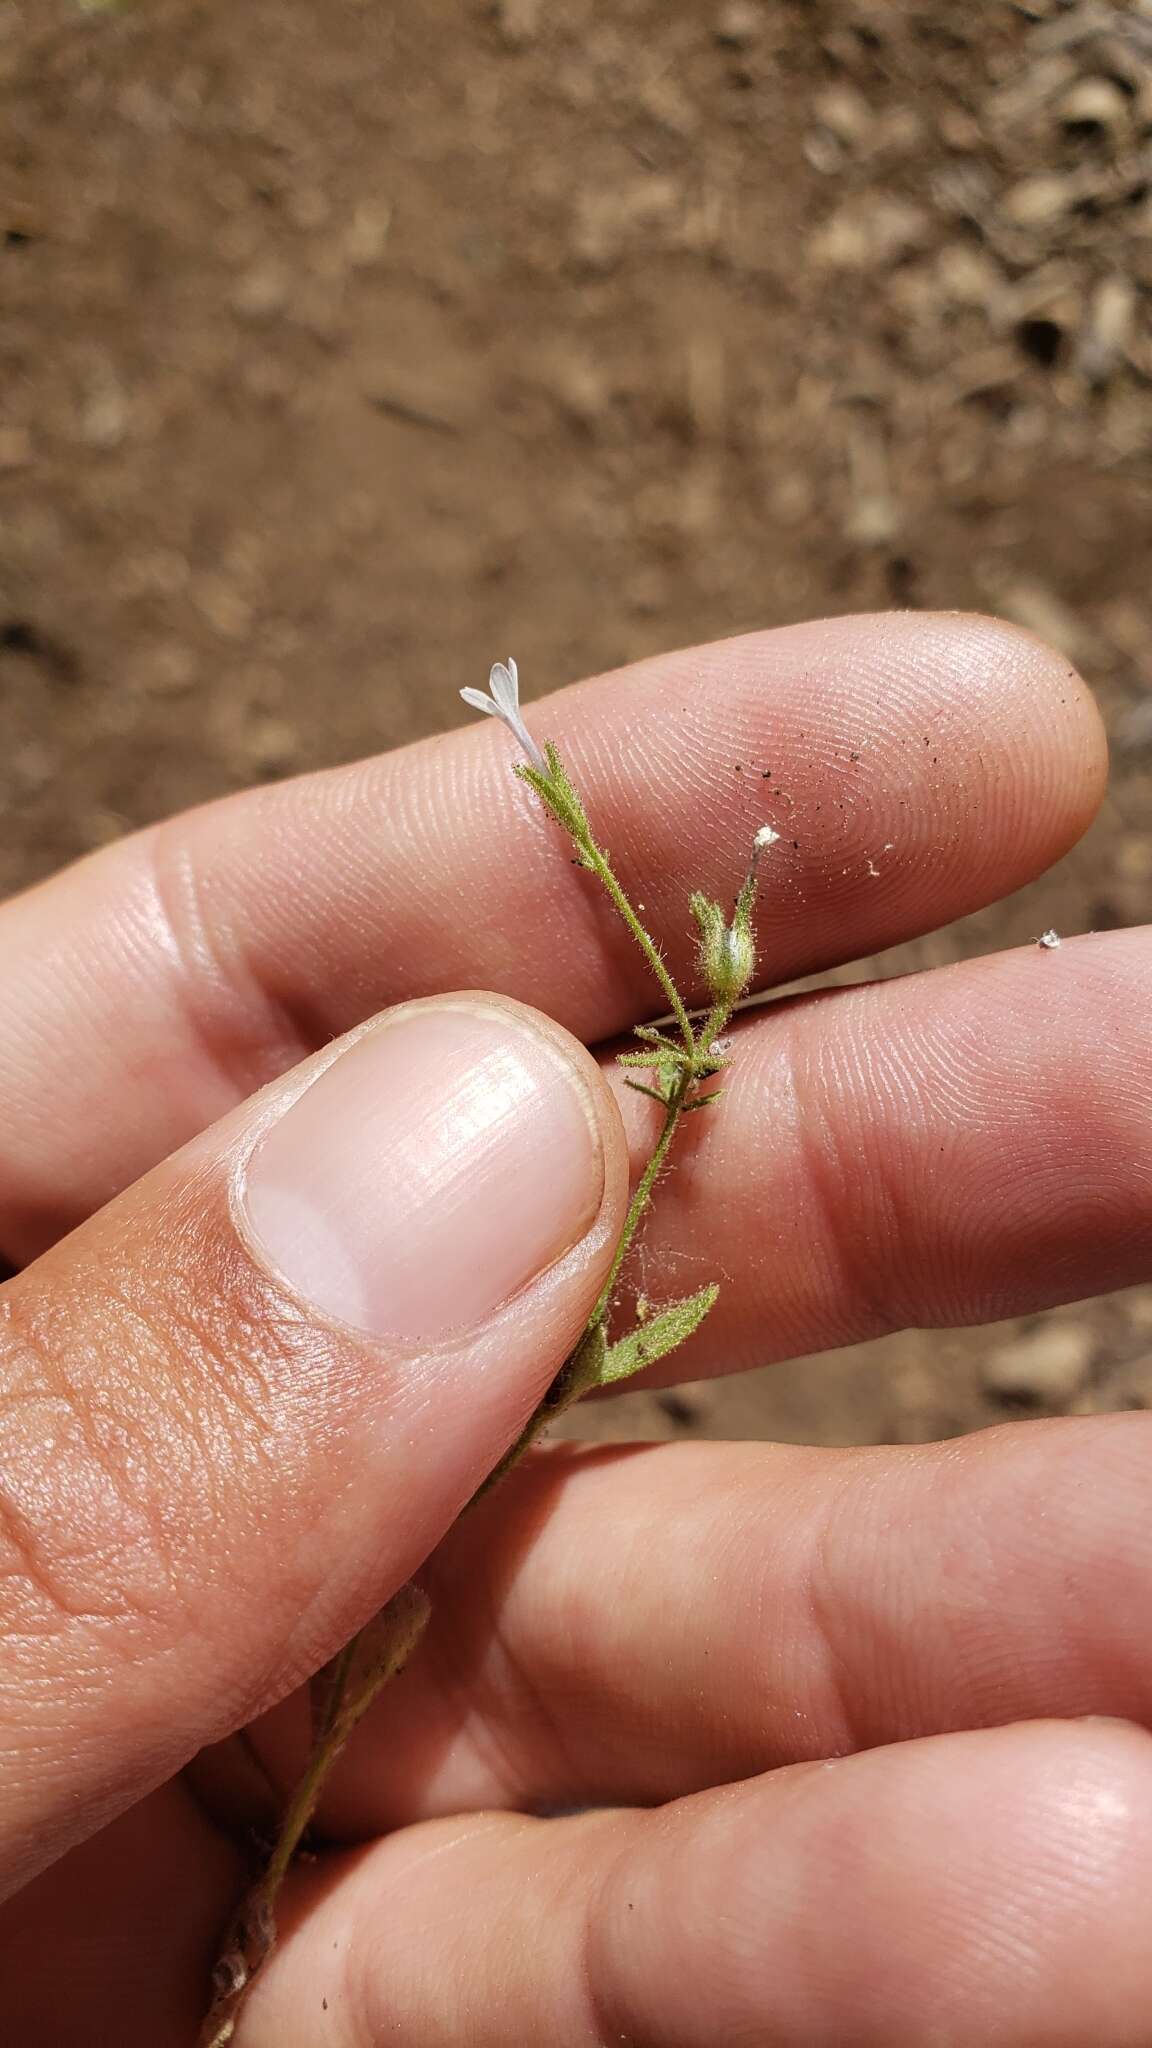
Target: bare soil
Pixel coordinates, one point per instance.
(344, 344)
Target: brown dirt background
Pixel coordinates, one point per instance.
(344, 344)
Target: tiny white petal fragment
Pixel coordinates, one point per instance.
(504, 704)
(1049, 940)
(764, 838)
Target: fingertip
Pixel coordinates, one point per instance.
(917, 764)
(1038, 705)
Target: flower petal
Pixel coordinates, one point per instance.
(505, 688)
(516, 725)
(504, 704)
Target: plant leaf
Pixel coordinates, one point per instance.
(703, 1101)
(642, 1088)
(657, 1336)
(709, 917)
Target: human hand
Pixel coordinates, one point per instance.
(244, 1400)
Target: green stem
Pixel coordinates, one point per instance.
(696, 1044)
(647, 945)
(300, 1810)
(718, 1016)
(569, 1384)
(642, 1195)
(332, 1699)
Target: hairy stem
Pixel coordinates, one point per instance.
(643, 1193)
(598, 862)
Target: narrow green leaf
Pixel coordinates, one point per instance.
(709, 917)
(657, 1336)
(642, 1089)
(649, 1035)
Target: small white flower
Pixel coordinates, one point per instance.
(764, 838)
(504, 704)
(1049, 940)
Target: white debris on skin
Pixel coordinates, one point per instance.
(1049, 940)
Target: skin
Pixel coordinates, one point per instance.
(863, 1731)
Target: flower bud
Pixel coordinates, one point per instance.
(730, 968)
(727, 951)
(736, 961)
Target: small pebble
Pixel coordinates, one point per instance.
(1049, 1365)
(739, 23)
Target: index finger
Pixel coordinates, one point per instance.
(916, 767)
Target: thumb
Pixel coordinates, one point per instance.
(241, 1404)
